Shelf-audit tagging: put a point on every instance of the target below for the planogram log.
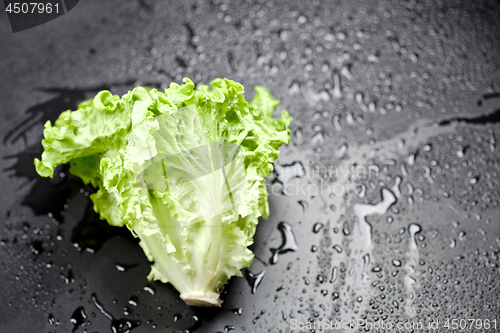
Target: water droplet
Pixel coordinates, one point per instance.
(364, 210)
(411, 159)
(317, 227)
(366, 264)
(333, 278)
(361, 191)
(306, 280)
(304, 204)
(349, 117)
(413, 229)
(301, 19)
(359, 97)
(51, 319)
(298, 137)
(352, 269)
(289, 242)
(409, 282)
(295, 88)
(69, 278)
(117, 325)
(372, 58)
(395, 187)
(372, 106)
(396, 263)
(149, 289)
(337, 248)
(444, 194)
(337, 91)
(133, 301)
(345, 71)
(341, 151)
(428, 174)
(124, 268)
(229, 328)
(78, 318)
(325, 66)
(285, 173)
(238, 311)
(336, 122)
(254, 280)
(126, 311)
(258, 316)
(345, 229)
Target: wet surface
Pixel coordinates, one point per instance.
(384, 206)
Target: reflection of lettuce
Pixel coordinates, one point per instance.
(183, 170)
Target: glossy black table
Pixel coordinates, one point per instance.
(384, 206)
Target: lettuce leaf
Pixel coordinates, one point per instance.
(183, 169)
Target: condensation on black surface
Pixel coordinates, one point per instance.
(384, 207)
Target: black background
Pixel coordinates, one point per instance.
(429, 71)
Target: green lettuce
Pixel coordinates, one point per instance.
(183, 169)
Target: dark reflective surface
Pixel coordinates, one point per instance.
(384, 207)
